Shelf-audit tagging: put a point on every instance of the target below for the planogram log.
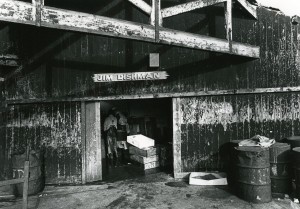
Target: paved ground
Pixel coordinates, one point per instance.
(159, 191)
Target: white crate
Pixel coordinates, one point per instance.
(195, 178)
(140, 141)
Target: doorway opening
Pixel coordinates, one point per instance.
(149, 117)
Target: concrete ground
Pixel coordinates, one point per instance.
(153, 191)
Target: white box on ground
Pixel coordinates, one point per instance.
(140, 141)
(207, 178)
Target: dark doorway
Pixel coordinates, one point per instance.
(149, 117)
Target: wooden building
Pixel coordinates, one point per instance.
(224, 83)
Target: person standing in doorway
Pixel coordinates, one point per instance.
(110, 129)
(122, 131)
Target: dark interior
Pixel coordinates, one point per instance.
(149, 117)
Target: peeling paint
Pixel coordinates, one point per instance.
(54, 128)
(208, 123)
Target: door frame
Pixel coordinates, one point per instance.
(91, 142)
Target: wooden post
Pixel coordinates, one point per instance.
(228, 24)
(93, 158)
(26, 176)
(38, 5)
(157, 10)
(176, 137)
(156, 17)
(25, 185)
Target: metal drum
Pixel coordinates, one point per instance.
(231, 167)
(36, 181)
(296, 160)
(281, 181)
(253, 174)
(294, 141)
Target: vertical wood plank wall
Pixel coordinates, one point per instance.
(53, 128)
(63, 64)
(208, 123)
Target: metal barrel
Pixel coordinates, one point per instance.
(294, 141)
(253, 181)
(281, 181)
(231, 167)
(36, 181)
(296, 162)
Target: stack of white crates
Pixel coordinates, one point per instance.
(145, 154)
(147, 158)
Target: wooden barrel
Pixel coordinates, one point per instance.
(296, 162)
(253, 174)
(281, 181)
(36, 181)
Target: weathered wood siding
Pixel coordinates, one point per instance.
(4, 170)
(53, 129)
(208, 123)
(64, 63)
(8, 43)
(60, 65)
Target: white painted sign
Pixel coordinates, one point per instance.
(136, 76)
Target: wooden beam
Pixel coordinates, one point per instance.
(158, 19)
(178, 38)
(83, 22)
(17, 11)
(9, 56)
(142, 6)
(37, 10)
(9, 60)
(228, 22)
(12, 181)
(186, 7)
(249, 7)
(8, 63)
(156, 13)
(75, 21)
(157, 95)
(177, 161)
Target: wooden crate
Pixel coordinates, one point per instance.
(146, 152)
(144, 160)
